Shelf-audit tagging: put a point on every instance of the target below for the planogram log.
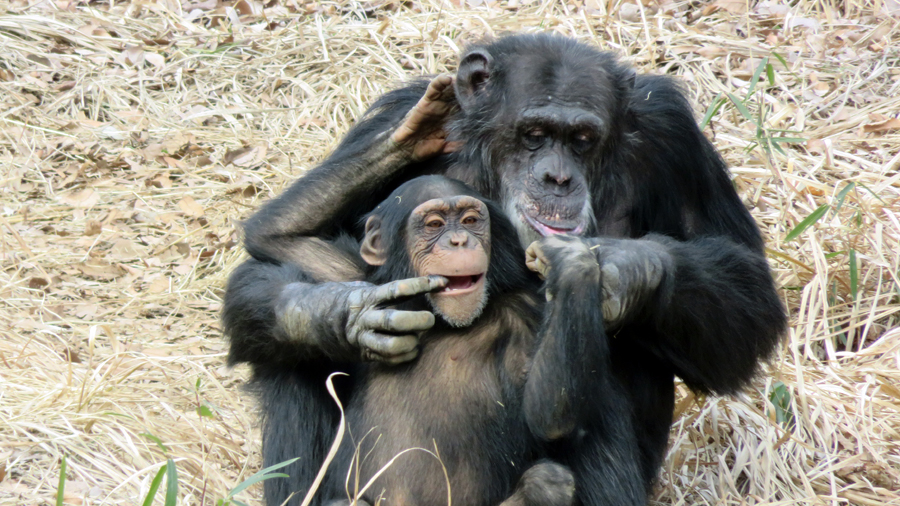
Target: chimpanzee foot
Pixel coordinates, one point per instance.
(544, 484)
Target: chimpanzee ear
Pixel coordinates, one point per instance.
(372, 247)
(472, 76)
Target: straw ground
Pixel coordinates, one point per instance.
(134, 135)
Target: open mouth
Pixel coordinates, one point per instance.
(547, 230)
(458, 285)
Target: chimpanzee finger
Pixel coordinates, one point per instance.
(394, 321)
(398, 359)
(440, 88)
(536, 260)
(391, 292)
(387, 345)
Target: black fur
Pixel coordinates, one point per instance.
(483, 439)
(654, 176)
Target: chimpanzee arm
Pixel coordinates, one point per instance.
(572, 399)
(273, 316)
(402, 128)
(300, 239)
(706, 306)
(716, 312)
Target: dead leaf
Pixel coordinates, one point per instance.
(37, 283)
(248, 7)
(84, 198)
(155, 59)
(102, 271)
(712, 52)
(124, 249)
(190, 206)
(630, 12)
(882, 126)
(93, 227)
(69, 355)
(810, 23)
(159, 285)
(732, 6)
(160, 181)
(133, 55)
(246, 157)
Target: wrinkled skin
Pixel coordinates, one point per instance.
(630, 271)
(357, 313)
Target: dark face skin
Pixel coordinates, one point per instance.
(557, 131)
(450, 237)
(548, 120)
(549, 186)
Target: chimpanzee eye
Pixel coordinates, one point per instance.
(534, 138)
(470, 220)
(434, 223)
(582, 140)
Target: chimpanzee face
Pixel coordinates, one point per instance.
(548, 112)
(429, 227)
(450, 237)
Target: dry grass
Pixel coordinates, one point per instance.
(134, 135)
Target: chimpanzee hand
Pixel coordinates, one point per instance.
(630, 270)
(566, 262)
(422, 132)
(389, 335)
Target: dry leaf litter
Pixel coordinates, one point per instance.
(135, 135)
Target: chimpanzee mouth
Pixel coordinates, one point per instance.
(548, 230)
(459, 285)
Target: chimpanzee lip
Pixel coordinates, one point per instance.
(462, 285)
(548, 230)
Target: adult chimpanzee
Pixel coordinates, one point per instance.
(465, 395)
(568, 140)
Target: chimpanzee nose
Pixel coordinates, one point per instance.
(459, 239)
(558, 177)
(554, 173)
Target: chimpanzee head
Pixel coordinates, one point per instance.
(433, 225)
(539, 113)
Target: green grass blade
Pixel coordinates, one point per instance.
(171, 483)
(154, 486)
(841, 196)
(770, 74)
(789, 140)
(854, 274)
(806, 223)
(873, 193)
(780, 397)
(262, 474)
(741, 108)
(61, 487)
(755, 79)
(156, 440)
(711, 111)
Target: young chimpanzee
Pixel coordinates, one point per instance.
(492, 380)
